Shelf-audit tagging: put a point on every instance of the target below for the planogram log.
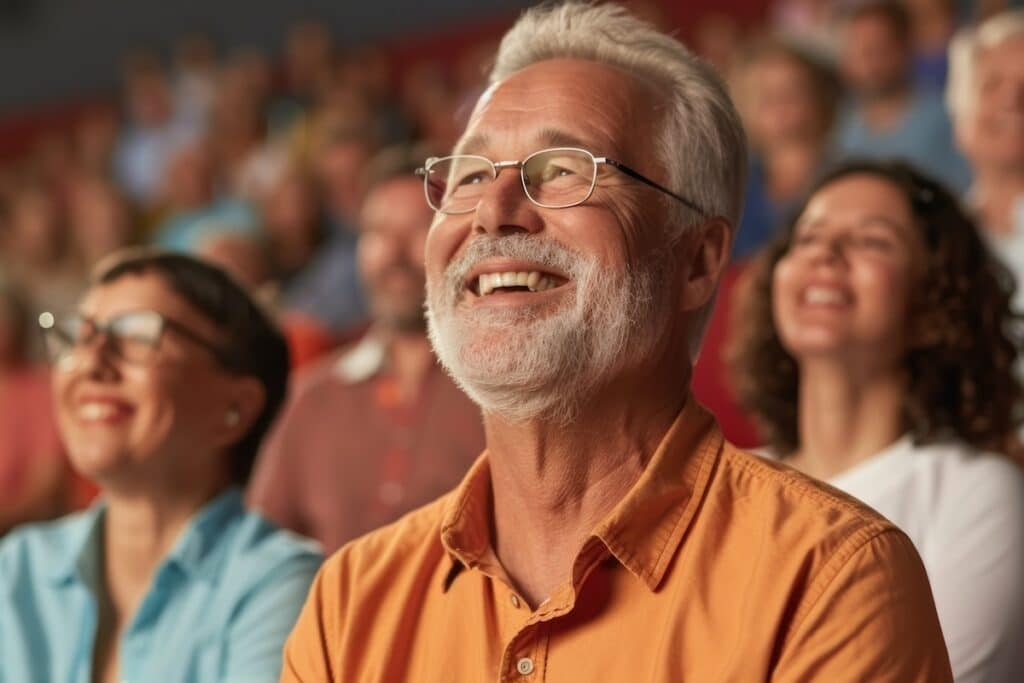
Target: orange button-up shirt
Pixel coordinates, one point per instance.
(716, 566)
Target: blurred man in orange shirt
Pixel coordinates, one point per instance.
(607, 533)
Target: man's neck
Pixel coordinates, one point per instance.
(845, 417)
(552, 484)
(995, 194)
(409, 360)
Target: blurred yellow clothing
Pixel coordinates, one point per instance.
(716, 566)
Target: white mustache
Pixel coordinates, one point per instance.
(544, 252)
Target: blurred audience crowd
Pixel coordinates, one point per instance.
(263, 164)
(297, 176)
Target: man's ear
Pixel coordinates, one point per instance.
(706, 260)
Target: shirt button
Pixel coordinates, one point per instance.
(515, 601)
(525, 666)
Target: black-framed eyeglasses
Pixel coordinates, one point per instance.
(133, 336)
(555, 178)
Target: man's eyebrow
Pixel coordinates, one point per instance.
(553, 137)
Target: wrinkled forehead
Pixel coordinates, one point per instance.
(563, 103)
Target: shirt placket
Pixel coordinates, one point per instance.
(137, 642)
(525, 657)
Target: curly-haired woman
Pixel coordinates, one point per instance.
(875, 344)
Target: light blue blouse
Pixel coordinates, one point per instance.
(219, 609)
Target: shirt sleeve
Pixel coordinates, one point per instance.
(307, 654)
(976, 569)
(260, 626)
(868, 616)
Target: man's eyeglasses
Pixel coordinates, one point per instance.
(133, 336)
(554, 178)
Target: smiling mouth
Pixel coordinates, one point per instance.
(487, 284)
(824, 296)
(101, 411)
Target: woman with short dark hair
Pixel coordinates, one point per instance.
(165, 382)
(876, 345)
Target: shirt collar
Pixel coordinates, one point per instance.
(643, 531)
(200, 551)
(363, 360)
(79, 556)
(197, 552)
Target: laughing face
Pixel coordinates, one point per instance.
(129, 422)
(842, 289)
(531, 308)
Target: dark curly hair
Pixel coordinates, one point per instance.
(965, 337)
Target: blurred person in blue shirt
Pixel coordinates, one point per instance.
(152, 131)
(195, 205)
(165, 382)
(887, 117)
(787, 97)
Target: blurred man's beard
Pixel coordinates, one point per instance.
(543, 362)
(402, 312)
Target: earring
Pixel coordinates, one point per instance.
(232, 417)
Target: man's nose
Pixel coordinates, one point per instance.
(504, 207)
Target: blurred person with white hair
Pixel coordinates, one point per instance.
(607, 532)
(986, 96)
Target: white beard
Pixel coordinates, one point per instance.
(532, 363)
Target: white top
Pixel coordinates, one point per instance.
(964, 511)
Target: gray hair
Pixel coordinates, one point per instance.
(702, 145)
(963, 53)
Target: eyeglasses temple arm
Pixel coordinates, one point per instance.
(636, 175)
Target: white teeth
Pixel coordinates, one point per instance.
(96, 411)
(532, 280)
(824, 295)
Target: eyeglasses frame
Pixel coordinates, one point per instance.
(498, 166)
(166, 323)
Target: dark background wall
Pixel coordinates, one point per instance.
(53, 50)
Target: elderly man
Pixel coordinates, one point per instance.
(376, 429)
(607, 533)
(986, 95)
